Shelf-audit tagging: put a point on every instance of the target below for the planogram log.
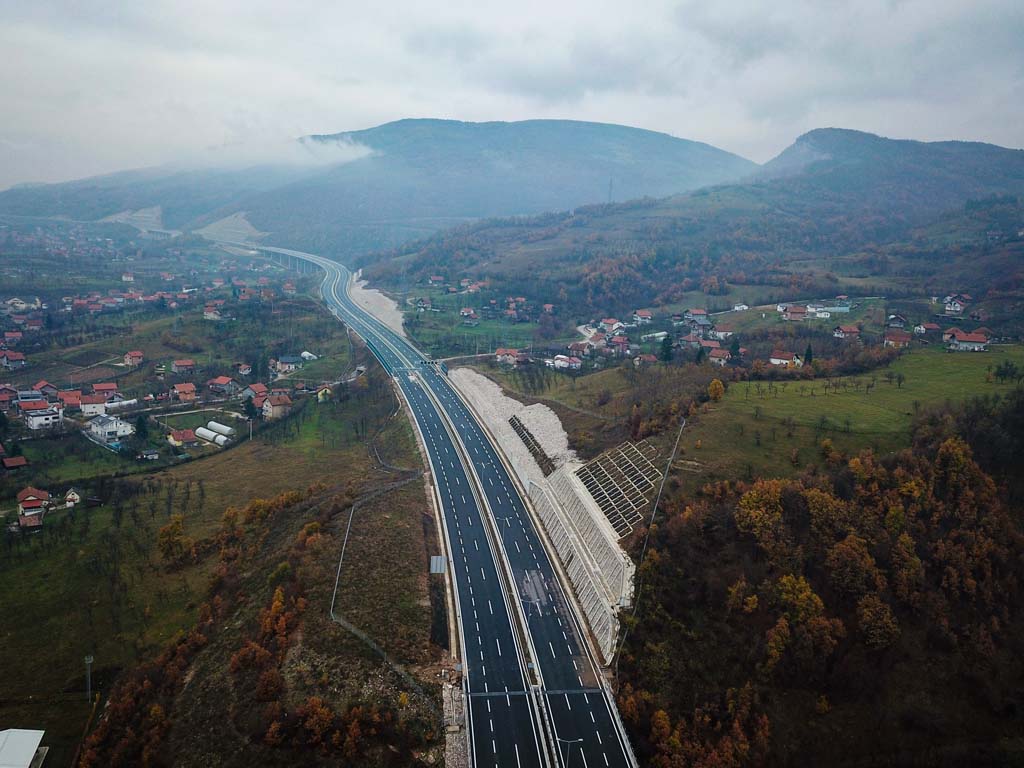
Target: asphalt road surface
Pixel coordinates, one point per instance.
(510, 637)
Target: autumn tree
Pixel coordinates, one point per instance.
(716, 390)
(852, 569)
(876, 622)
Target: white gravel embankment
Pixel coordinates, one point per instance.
(377, 304)
(496, 408)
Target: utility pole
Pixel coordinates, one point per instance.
(88, 677)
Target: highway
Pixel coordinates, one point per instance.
(535, 692)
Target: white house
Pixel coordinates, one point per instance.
(786, 359)
(110, 429)
(643, 316)
(740, 307)
(969, 342)
(47, 418)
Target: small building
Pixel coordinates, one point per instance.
(276, 406)
(110, 429)
(719, 356)
(643, 316)
(93, 405)
(641, 360)
(846, 332)
(244, 369)
(896, 321)
(185, 366)
(795, 313)
(922, 329)
(740, 307)
(185, 392)
(12, 463)
(181, 437)
(504, 356)
(150, 454)
(785, 359)
(968, 342)
(223, 385)
(255, 389)
(107, 388)
(12, 360)
(287, 363)
(46, 389)
(32, 501)
(45, 418)
(72, 497)
(134, 358)
(897, 339)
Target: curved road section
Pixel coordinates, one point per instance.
(535, 693)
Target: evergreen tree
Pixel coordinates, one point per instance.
(666, 350)
(808, 355)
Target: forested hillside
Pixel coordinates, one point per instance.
(377, 188)
(835, 209)
(868, 614)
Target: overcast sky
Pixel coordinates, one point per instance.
(87, 88)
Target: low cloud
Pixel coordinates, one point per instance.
(89, 90)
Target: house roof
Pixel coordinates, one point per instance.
(221, 380)
(897, 336)
(134, 353)
(780, 355)
(13, 462)
(106, 386)
(848, 328)
(93, 399)
(31, 492)
(258, 388)
(184, 435)
(184, 362)
(973, 338)
(720, 354)
(186, 388)
(276, 400)
(38, 386)
(33, 405)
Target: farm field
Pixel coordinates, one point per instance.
(754, 430)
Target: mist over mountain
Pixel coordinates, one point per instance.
(408, 179)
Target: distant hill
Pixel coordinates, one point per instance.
(834, 207)
(416, 176)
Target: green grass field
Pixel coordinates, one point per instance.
(754, 429)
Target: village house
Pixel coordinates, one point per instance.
(956, 303)
(897, 339)
(719, 356)
(185, 366)
(44, 418)
(795, 313)
(33, 501)
(564, 362)
(70, 398)
(276, 406)
(12, 360)
(645, 359)
(896, 321)
(110, 429)
(212, 313)
(127, 277)
(968, 342)
(286, 364)
(133, 359)
(504, 356)
(185, 393)
(721, 332)
(255, 389)
(72, 497)
(182, 437)
(223, 385)
(46, 389)
(107, 388)
(643, 316)
(244, 369)
(609, 325)
(579, 348)
(740, 307)
(93, 405)
(785, 359)
(922, 329)
(846, 332)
